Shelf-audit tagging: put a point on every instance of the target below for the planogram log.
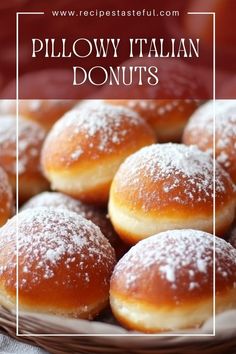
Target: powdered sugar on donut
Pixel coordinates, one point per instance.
(200, 129)
(160, 107)
(31, 136)
(176, 255)
(49, 238)
(61, 201)
(184, 174)
(103, 122)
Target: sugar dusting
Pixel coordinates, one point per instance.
(31, 136)
(184, 172)
(200, 129)
(49, 239)
(160, 108)
(103, 126)
(61, 201)
(175, 254)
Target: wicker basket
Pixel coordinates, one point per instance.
(104, 341)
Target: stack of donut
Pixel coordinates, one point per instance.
(114, 210)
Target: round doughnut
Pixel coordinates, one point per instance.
(199, 131)
(167, 117)
(86, 146)
(169, 186)
(65, 264)
(165, 282)
(30, 138)
(57, 200)
(6, 198)
(43, 112)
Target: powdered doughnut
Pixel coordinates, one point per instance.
(97, 216)
(166, 281)
(169, 186)
(65, 264)
(85, 148)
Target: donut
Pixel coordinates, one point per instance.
(165, 282)
(167, 117)
(6, 198)
(43, 112)
(64, 263)
(30, 139)
(86, 146)
(98, 216)
(232, 236)
(199, 131)
(169, 186)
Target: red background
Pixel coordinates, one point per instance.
(59, 83)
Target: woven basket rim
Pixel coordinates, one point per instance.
(226, 337)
